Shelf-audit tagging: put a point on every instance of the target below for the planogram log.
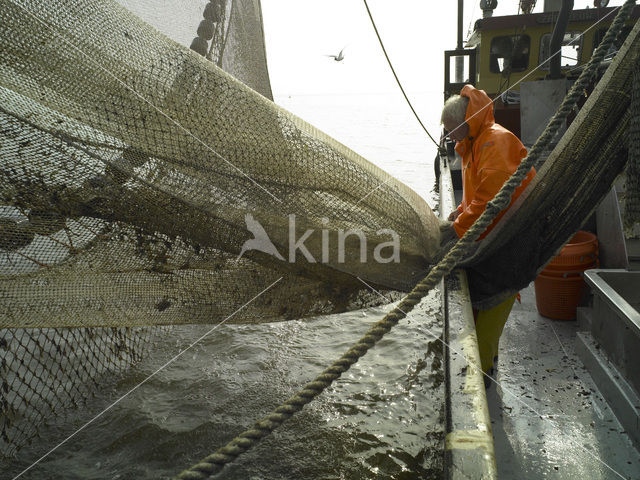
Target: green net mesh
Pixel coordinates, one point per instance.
(46, 370)
(133, 172)
(631, 210)
(131, 165)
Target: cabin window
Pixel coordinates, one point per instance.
(509, 53)
(570, 50)
(459, 68)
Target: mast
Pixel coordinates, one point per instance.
(459, 59)
(557, 39)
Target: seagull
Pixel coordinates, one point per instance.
(339, 57)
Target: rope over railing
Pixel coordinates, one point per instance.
(214, 463)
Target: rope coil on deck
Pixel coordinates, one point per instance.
(214, 463)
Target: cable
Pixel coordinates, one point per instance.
(396, 76)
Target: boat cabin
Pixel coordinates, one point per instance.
(504, 52)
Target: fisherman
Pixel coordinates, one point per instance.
(490, 154)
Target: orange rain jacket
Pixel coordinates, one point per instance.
(490, 154)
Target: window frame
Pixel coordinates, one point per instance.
(545, 64)
(494, 57)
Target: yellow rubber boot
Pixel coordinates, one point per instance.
(489, 325)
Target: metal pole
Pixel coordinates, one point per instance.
(460, 15)
(555, 46)
(460, 59)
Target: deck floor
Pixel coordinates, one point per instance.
(548, 418)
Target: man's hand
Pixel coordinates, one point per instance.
(448, 238)
(447, 232)
(453, 215)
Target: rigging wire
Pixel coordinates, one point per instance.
(396, 76)
(471, 22)
(506, 82)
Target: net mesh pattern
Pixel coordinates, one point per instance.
(631, 212)
(45, 371)
(134, 171)
(142, 179)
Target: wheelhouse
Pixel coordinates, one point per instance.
(505, 51)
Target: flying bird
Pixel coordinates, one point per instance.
(339, 57)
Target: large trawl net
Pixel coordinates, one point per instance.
(142, 185)
(631, 211)
(134, 171)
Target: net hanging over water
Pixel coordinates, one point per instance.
(134, 171)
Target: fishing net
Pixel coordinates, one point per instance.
(142, 185)
(135, 171)
(631, 211)
(573, 180)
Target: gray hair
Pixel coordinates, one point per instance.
(454, 110)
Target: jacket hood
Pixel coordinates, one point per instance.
(479, 111)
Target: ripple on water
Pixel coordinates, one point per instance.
(382, 419)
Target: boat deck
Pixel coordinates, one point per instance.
(548, 418)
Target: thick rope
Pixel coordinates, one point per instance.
(243, 442)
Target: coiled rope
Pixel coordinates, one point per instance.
(213, 463)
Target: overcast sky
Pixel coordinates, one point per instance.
(299, 33)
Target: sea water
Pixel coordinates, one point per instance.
(384, 418)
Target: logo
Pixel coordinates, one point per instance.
(262, 243)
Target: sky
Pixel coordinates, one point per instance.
(300, 33)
